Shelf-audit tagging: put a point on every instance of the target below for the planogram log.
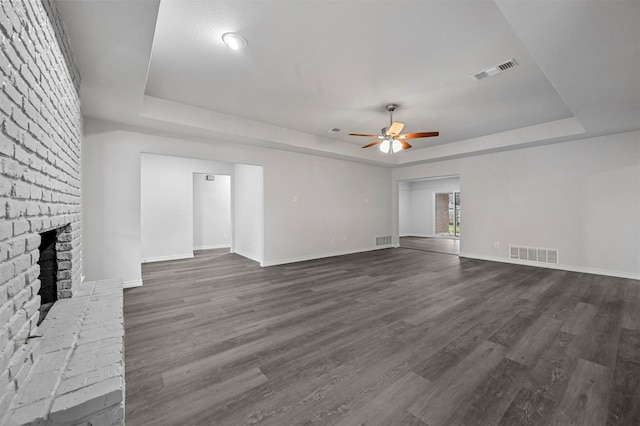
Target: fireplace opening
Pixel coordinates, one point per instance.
(48, 272)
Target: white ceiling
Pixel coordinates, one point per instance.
(314, 65)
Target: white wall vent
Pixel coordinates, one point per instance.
(534, 254)
(511, 63)
(383, 241)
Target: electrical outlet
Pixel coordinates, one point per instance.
(496, 245)
(295, 198)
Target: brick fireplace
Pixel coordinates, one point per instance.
(40, 135)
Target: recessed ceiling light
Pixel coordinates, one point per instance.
(234, 41)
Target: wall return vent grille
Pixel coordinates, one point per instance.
(533, 254)
(383, 241)
(507, 65)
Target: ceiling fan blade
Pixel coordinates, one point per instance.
(363, 134)
(395, 128)
(419, 135)
(378, 142)
(405, 144)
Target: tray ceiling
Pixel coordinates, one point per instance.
(311, 66)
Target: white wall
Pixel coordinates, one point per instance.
(405, 227)
(248, 214)
(317, 207)
(581, 197)
(342, 206)
(110, 207)
(166, 202)
(417, 208)
(211, 211)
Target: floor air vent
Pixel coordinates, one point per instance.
(533, 254)
(383, 241)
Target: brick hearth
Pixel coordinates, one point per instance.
(79, 378)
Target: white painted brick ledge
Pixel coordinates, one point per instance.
(79, 376)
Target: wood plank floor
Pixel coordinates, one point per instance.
(439, 245)
(390, 337)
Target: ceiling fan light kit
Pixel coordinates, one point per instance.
(390, 139)
(390, 145)
(385, 145)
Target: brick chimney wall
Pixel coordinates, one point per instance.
(40, 134)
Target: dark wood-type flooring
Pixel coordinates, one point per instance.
(390, 337)
(439, 245)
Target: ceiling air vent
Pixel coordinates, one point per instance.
(480, 75)
(511, 63)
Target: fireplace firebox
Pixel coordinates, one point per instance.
(48, 262)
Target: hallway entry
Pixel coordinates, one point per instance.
(430, 214)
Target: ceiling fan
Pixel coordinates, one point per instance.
(391, 140)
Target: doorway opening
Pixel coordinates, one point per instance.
(430, 214)
(188, 203)
(211, 211)
(447, 214)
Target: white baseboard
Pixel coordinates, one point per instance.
(247, 255)
(165, 258)
(561, 267)
(444, 237)
(323, 255)
(211, 247)
(131, 284)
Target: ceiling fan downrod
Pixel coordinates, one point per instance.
(391, 108)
